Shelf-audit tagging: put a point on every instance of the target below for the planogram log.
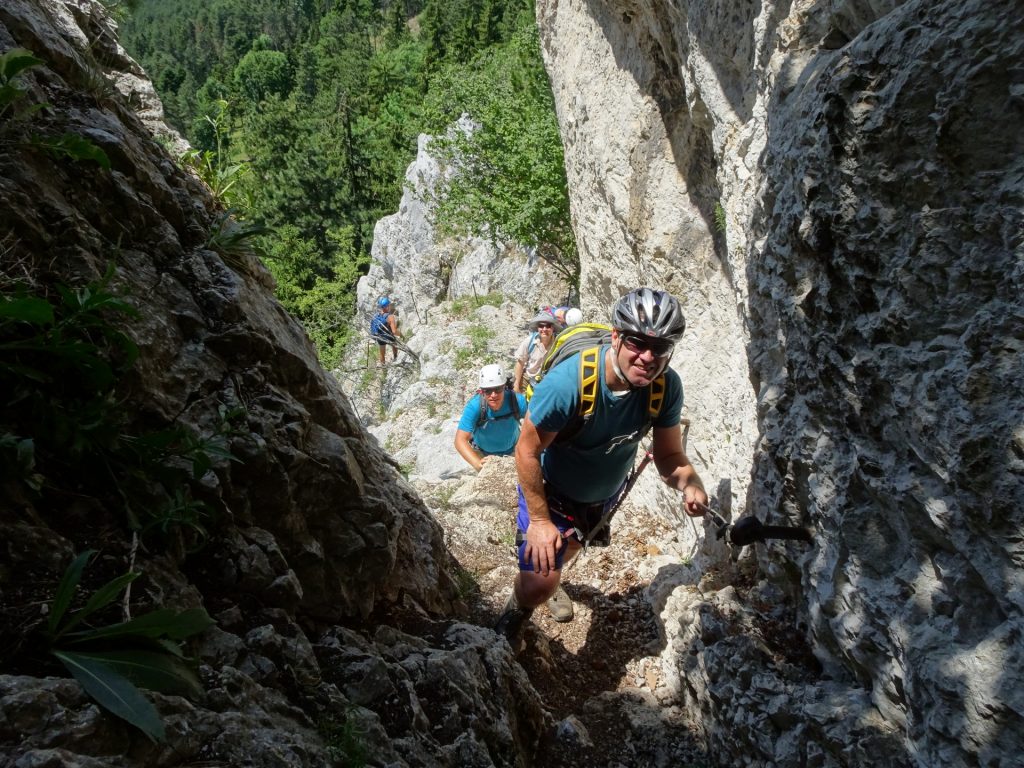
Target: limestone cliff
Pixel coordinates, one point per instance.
(835, 189)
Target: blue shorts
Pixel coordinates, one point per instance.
(573, 519)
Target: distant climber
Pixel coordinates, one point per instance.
(531, 352)
(490, 421)
(384, 328)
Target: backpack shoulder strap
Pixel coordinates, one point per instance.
(655, 397)
(514, 405)
(589, 369)
(482, 416)
(534, 335)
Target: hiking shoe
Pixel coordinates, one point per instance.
(560, 606)
(512, 619)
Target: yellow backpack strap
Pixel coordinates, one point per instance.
(655, 397)
(588, 380)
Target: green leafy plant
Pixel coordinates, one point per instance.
(120, 9)
(73, 147)
(61, 421)
(235, 240)
(719, 213)
(113, 661)
(493, 299)
(464, 306)
(465, 583)
(59, 362)
(214, 166)
(479, 336)
(219, 177)
(344, 741)
(12, 64)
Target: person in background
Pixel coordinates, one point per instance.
(534, 348)
(490, 421)
(384, 328)
(571, 472)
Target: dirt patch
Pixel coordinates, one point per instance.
(599, 675)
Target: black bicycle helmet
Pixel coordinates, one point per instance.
(651, 313)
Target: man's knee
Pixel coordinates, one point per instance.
(533, 589)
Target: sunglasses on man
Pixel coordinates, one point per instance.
(640, 344)
(544, 325)
(490, 390)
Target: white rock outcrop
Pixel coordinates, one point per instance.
(419, 268)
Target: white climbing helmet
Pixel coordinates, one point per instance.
(573, 316)
(492, 376)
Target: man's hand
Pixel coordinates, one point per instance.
(543, 540)
(696, 500)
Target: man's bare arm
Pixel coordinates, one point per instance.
(466, 451)
(676, 470)
(542, 537)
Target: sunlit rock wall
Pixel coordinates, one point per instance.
(644, 192)
(867, 157)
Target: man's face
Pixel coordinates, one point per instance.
(493, 396)
(546, 331)
(641, 358)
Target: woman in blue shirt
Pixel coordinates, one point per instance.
(490, 421)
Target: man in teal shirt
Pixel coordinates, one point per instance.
(566, 485)
(490, 421)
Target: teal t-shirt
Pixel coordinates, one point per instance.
(498, 434)
(594, 463)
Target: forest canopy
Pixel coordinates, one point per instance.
(305, 114)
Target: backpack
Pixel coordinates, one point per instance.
(379, 326)
(513, 406)
(588, 339)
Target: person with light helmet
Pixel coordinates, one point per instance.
(567, 484)
(490, 421)
(384, 328)
(534, 348)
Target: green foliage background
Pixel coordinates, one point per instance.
(320, 103)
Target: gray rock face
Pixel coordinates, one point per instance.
(207, 329)
(866, 157)
(314, 525)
